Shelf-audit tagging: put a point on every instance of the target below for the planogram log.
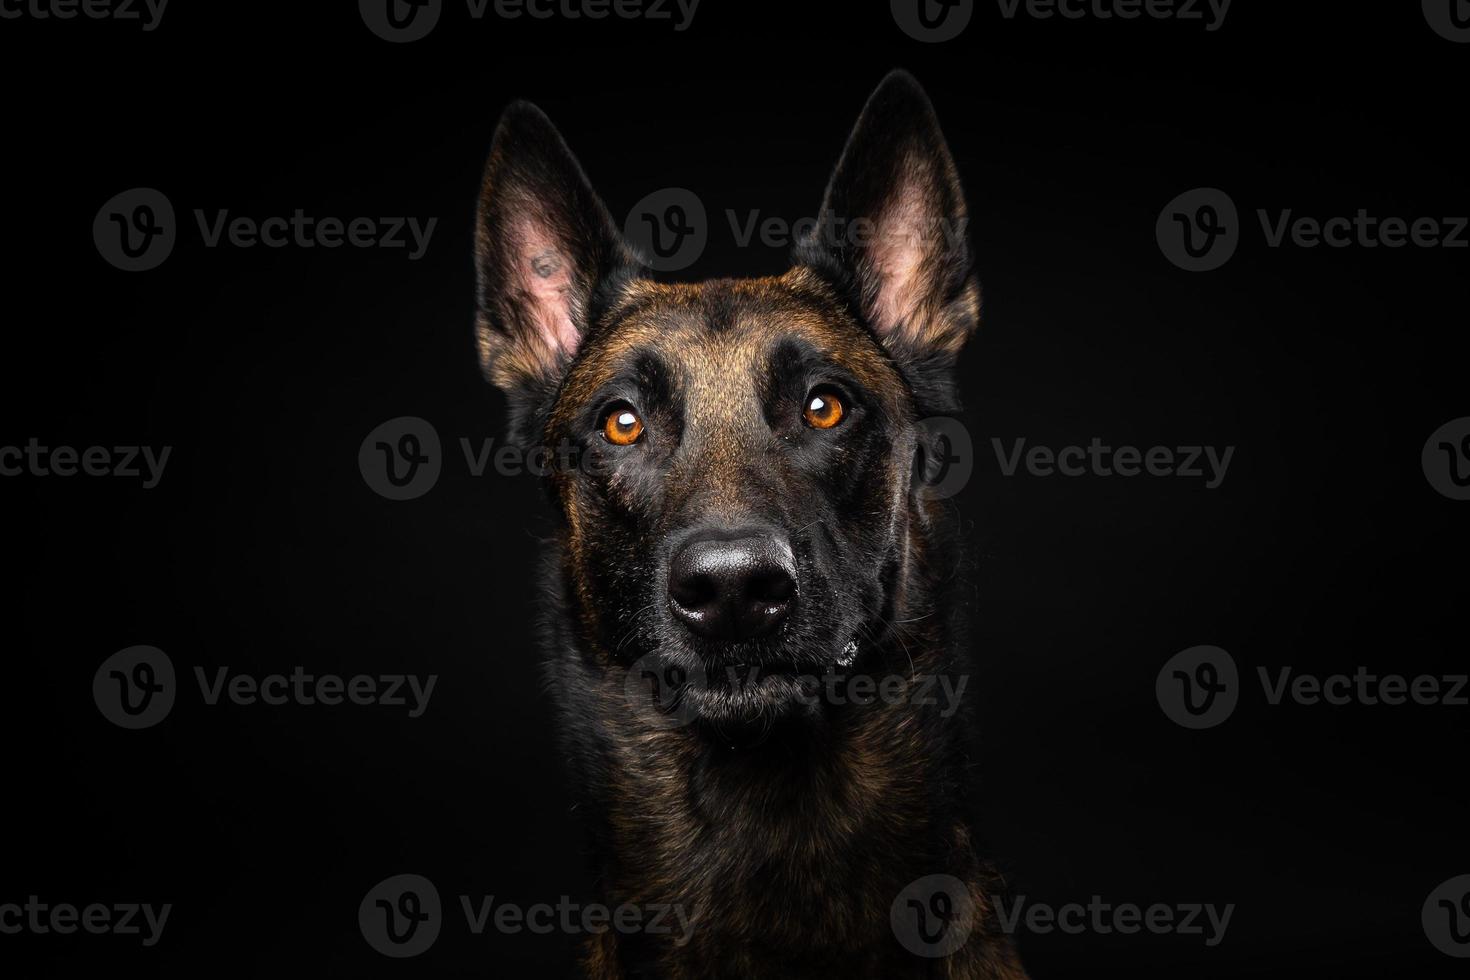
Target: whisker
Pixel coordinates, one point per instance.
(632, 627)
(805, 526)
(915, 619)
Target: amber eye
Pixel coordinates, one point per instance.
(622, 427)
(823, 410)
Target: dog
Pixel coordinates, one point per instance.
(744, 507)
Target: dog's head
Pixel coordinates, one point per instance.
(743, 481)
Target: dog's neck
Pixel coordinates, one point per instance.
(795, 839)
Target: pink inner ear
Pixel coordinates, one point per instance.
(545, 273)
(899, 251)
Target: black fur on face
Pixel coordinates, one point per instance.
(720, 377)
(719, 374)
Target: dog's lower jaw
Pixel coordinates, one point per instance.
(785, 853)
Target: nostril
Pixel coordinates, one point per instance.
(693, 591)
(772, 586)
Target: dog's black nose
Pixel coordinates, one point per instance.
(733, 585)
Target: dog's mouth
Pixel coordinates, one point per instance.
(739, 696)
(729, 692)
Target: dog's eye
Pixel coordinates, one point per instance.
(823, 409)
(622, 427)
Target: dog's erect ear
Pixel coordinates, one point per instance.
(547, 250)
(893, 230)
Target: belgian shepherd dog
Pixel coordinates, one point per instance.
(746, 530)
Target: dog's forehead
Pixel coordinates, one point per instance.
(723, 334)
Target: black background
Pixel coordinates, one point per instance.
(1324, 549)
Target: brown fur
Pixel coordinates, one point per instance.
(785, 836)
